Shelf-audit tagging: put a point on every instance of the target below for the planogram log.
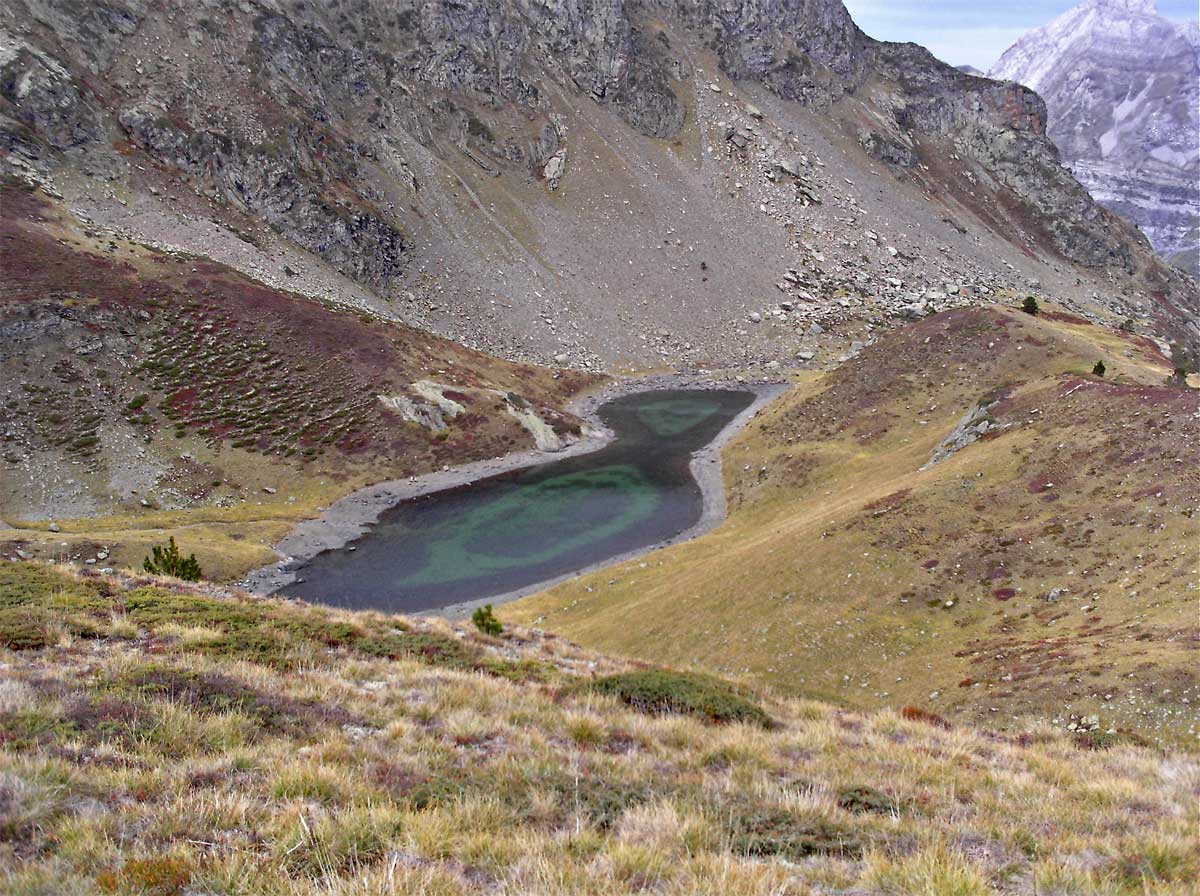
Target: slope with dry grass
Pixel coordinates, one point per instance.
(148, 393)
(160, 738)
(1046, 571)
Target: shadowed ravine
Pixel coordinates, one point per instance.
(511, 531)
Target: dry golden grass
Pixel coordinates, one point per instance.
(848, 573)
(156, 745)
(227, 541)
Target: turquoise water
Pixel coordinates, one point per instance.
(517, 529)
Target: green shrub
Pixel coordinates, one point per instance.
(601, 802)
(1030, 305)
(23, 629)
(1102, 740)
(1099, 369)
(168, 561)
(306, 786)
(428, 647)
(1157, 863)
(485, 620)
(518, 670)
(261, 646)
(761, 830)
(660, 691)
(321, 630)
(865, 799)
(339, 843)
(152, 607)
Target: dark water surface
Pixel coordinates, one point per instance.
(520, 528)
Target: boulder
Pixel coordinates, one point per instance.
(556, 167)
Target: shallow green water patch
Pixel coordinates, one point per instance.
(517, 529)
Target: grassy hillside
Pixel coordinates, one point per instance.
(1047, 571)
(149, 393)
(159, 738)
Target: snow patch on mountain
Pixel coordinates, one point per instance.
(1122, 88)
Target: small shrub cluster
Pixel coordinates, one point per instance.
(866, 799)
(1178, 378)
(917, 714)
(152, 875)
(763, 830)
(22, 629)
(259, 632)
(659, 691)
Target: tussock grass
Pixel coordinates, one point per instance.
(365, 754)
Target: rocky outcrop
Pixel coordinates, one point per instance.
(489, 53)
(427, 415)
(1002, 128)
(44, 96)
(544, 435)
(1122, 86)
(441, 403)
(285, 192)
(971, 427)
(805, 50)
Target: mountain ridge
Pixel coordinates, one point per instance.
(410, 154)
(1121, 83)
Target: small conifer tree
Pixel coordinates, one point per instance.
(1030, 305)
(1099, 369)
(485, 620)
(168, 561)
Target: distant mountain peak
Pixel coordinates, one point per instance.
(1122, 89)
(1141, 7)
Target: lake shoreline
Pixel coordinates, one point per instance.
(353, 515)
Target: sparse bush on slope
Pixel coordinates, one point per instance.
(690, 693)
(22, 629)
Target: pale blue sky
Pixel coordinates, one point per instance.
(970, 31)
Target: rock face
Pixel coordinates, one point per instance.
(571, 162)
(1122, 87)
